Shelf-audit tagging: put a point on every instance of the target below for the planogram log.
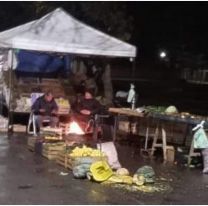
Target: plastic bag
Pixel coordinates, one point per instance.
(110, 150)
(200, 139)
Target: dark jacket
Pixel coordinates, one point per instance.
(89, 104)
(41, 103)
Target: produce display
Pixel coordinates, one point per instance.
(100, 171)
(155, 109)
(82, 162)
(172, 113)
(23, 87)
(86, 151)
(144, 175)
(171, 110)
(63, 105)
(122, 171)
(23, 104)
(80, 171)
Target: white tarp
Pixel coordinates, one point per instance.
(60, 32)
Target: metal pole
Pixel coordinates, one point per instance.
(133, 69)
(10, 115)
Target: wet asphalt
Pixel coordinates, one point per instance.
(28, 178)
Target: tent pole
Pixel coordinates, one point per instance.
(133, 69)
(10, 115)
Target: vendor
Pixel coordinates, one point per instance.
(85, 108)
(45, 109)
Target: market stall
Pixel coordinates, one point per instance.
(50, 34)
(159, 122)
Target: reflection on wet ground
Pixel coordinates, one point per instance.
(27, 178)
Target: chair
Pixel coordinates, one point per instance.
(98, 122)
(31, 121)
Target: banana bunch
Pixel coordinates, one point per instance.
(86, 152)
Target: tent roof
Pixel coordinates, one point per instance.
(60, 32)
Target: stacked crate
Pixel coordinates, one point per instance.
(51, 150)
(63, 159)
(54, 133)
(31, 143)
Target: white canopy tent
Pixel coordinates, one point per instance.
(60, 32)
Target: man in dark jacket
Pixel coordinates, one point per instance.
(85, 108)
(45, 108)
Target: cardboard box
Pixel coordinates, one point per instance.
(170, 154)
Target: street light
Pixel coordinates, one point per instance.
(163, 54)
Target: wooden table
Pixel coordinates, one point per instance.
(160, 127)
(122, 111)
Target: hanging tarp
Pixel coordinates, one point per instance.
(60, 32)
(39, 62)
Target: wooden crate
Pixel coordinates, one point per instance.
(48, 131)
(51, 155)
(64, 159)
(51, 150)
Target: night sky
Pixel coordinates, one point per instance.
(169, 24)
(157, 25)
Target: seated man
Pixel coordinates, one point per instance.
(45, 108)
(85, 109)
